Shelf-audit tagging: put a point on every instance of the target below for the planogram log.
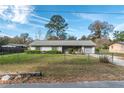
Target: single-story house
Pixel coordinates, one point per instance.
(82, 46)
(117, 47)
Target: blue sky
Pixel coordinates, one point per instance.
(30, 19)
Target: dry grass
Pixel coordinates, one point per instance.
(57, 68)
(119, 54)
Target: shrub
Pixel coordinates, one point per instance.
(33, 51)
(70, 50)
(104, 46)
(52, 52)
(104, 59)
(97, 50)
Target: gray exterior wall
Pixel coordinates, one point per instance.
(32, 48)
(84, 49)
(46, 48)
(87, 49)
(50, 48)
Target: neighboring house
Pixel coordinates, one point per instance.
(14, 45)
(117, 47)
(12, 48)
(82, 46)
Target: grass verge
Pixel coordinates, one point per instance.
(60, 68)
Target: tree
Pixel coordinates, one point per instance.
(62, 36)
(103, 43)
(72, 38)
(100, 29)
(56, 26)
(83, 38)
(52, 38)
(16, 40)
(24, 37)
(118, 36)
(4, 40)
(38, 35)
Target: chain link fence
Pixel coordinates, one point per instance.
(16, 55)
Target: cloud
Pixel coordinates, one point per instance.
(11, 26)
(71, 30)
(119, 27)
(41, 18)
(18, 14)
(91, 17)
(2, 35)
(36, 25)
(38, 20)
(21, 14)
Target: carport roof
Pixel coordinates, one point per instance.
(63, 43)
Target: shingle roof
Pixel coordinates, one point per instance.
(63, 43)
(13, 45)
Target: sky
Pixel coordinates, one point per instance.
(15, 20)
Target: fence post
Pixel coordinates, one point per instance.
(112, 57)
(99, 56)
(88, 57)
(18, 60)
(64, 56)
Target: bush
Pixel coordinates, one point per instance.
(33, 51)
(43, 52)
(52, 52)
(97, 50)
(104, 59)
(70, 50)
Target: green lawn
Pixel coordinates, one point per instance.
(57, 67)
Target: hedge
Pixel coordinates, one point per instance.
(43, 52)
(33, 51)
(52, 52)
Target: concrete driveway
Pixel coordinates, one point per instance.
(116, 59)
(85, 84)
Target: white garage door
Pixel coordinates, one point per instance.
(88, 50)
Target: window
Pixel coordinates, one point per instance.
(37, 48)
(54, 48)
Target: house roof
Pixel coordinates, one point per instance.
(63, 43)
(121, 43)
(13, 45)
